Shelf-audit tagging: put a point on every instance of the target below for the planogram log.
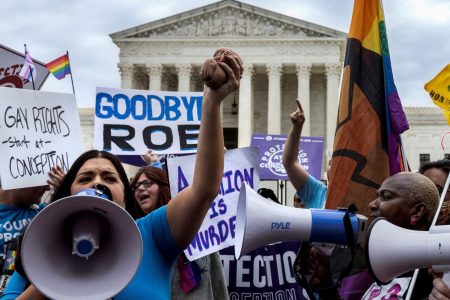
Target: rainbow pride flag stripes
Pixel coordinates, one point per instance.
(370, 118)
(59, 67)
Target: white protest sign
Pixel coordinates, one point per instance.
(218, 228)
(128, 122)
(38, 130)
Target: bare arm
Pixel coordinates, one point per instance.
(296, 173)
(186, 211)
(31, 293)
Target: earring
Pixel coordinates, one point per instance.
(413, 221)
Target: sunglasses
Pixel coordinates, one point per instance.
(145, 183)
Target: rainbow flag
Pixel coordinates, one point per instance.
(370, 118)
(59, 67)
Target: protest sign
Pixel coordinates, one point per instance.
(38, 130)
(265, 273)
(271, 149)
(11, 63)
(218, 228)
(128, 122)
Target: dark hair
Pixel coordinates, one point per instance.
(160, 177)
(69, 178)
(269, 194)
(442, 164)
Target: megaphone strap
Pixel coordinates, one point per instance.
(351, 242)
(329, 292)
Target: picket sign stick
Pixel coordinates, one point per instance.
(71, 74)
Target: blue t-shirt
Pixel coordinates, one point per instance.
(313, 193)
(153, 277)
(13, 220)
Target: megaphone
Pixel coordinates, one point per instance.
(81, 247)
(260, 221)
(393, 250)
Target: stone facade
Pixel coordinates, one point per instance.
(427, 134)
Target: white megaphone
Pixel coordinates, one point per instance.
(260, 221)
(81, 247)
(393, 250)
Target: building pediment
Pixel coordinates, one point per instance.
(224, 19)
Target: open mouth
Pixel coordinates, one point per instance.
(143, 197)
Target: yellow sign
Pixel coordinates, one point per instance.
(439, 89)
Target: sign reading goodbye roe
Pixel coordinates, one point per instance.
(38, 130)
(128, 122)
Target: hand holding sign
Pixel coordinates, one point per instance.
(298, 116)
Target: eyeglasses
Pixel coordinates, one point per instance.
(145, 183)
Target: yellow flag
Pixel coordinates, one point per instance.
(439, 89)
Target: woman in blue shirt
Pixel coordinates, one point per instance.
(169, 229)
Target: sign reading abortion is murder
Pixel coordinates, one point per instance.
(38, 130)
(271, 149)
(128, 122)
(218, 228)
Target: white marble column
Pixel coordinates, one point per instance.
(333, 73)
(274, 102)
(245, 117)
(184, 77)
(126, 75)
(304, 75)
(154, 72)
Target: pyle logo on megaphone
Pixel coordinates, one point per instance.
(276, 226)
(256, 227)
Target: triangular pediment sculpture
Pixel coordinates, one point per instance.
(226, 19)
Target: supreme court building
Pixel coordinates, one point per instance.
(284, 58)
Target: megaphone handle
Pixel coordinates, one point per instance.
(446, 278)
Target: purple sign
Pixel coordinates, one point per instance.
(265, 273)
(271, 149)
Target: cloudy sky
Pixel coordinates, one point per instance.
(418, 33)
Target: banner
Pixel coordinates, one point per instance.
(11, 63)
(38, 130)
(128, 122)
(271, 149)
(439, 89)
(265, 273)
(218, 228)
